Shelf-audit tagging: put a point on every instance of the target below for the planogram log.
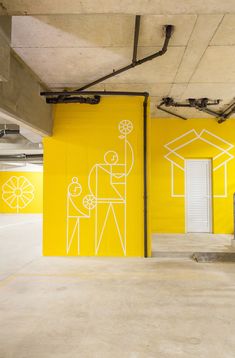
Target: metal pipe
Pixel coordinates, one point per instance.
(8, 131)
(64, 99)
(136, 38)
(100, 93)
(145, 174)
(230, 106)
(208, 111)
(172, 113)
(199, 104)
(233, 217)
(21, 157)
(169, 31)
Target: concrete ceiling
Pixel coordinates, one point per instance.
(161, 7)
(68, 51)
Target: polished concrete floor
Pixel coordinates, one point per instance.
(91, 307)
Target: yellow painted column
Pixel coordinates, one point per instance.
(93, 180)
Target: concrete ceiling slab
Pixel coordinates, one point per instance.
(152, 35)
(73, 31)
(159, 70)
(216, 66)
(41, 7)
(98, 30)
(82, 65)
(177, 89)
(159, 89)
(74, 65)
(204, 29)
(225, 35)
(69, 51)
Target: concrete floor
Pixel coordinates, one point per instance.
(91, 307)
(183, 245)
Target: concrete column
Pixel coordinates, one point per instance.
(20, 100)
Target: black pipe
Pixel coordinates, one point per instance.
(145, 174)
(8, 131)
(100, 93)
(199, 104)
(208, 111)
(172, 113)
(230, 108)
(233, 219)
(169, 31)
(20, 157)
(34, 156)
(136, 38)
(64, 99)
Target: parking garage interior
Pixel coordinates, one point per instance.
(117, 179)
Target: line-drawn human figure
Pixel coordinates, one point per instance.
(74, 214)
(107, 182)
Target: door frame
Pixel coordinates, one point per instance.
(211, 213)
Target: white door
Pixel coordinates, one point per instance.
(198, 203)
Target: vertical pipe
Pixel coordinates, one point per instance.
(136, 38)
(145, 129)
(234, 217)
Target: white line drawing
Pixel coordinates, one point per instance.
(191, 136)
(74, 190)
(18, 192)
(107, 182)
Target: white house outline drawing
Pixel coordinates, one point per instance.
(199, 136)
(18, 192)
(117, 182)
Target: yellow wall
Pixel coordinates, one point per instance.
(208, 140)
(21, 192)
(84, 166)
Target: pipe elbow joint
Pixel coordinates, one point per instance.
(169, 30)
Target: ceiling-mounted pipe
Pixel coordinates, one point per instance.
(21, 157)
(170, 112)
(99, 93)
(136, 38)
(64, 99)
(63, 94)
(200, 104)
(228, 111)
(135, 62)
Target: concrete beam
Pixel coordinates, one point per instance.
(20, 100)
(5, 39)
